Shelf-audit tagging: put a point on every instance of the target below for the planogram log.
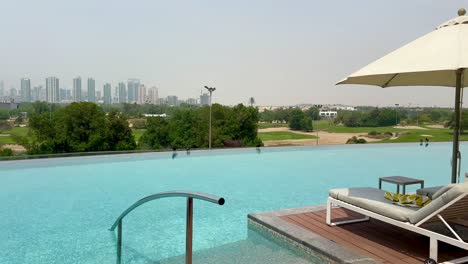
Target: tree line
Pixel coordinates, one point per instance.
(85, 127)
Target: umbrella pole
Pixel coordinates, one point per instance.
(456, 129)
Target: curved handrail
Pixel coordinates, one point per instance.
(196, 195)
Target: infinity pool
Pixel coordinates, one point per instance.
(60, 210)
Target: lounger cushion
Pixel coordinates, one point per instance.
(429, 191)
(373, 199)
(434, 192)
(436, 204)
(442, 190)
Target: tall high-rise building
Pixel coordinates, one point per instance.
(133, 86)
(107, 93)
(64, 93)
(91, 90)
(52, 90)
(77, 89)
(2, 90)
(205, 99)
(172, 100)
(152, 95)
(122, 93)
(36, 94)
(13, 94)
(191, 101)
(142, 94)
(25, 90)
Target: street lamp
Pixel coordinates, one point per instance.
(210, 90)
(396, 114)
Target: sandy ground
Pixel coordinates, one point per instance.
(325, 138)
(14, 147)
(435, 126)
(410, 127)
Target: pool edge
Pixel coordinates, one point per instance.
(311, 243)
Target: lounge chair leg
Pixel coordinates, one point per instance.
(329, 207)
(328, 217)
(433, 249)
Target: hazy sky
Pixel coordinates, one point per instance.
(280, 52)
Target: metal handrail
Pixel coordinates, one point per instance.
(190, 196)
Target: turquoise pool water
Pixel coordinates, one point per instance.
(60, 210)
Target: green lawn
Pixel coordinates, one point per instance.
(137, 133)
(265, 136)
(20, 131)
(268, 125)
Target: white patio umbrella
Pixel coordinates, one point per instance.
(439, 58)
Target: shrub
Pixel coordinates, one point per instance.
(6, 152)
(373, 133)
(388, 133)
(355, 140)
(361, 141)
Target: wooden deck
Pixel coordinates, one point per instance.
(378, 240)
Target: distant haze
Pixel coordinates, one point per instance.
(279, 52)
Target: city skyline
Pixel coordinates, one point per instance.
(131, 92)
(278, 52)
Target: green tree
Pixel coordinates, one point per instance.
(295, 119)
(313, 113)
(184, 125)
(156, 135)
(78, 127)
(119, 135)
(306, 124)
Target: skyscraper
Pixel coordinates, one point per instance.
(77, 89)
(152, 95)
(2, 90)
(107, 93)
(172, 100)
(36, 94)
(25, 90)
(141, 99)
(91, 90)
(122, 93)
(133, 86)
(52, 90)
(204, 99)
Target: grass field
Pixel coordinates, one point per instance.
(20, 131)
(269, 125)
(137, 133)
(405, 135)
(265, 136)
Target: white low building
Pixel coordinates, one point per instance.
(328, 114)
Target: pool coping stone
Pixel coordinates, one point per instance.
(309, 241)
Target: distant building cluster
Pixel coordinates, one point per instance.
(132, 91)
(325, 111)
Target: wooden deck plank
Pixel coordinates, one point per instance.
(383, 242)
(339, 240)
(373, 247)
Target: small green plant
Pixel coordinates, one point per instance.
(355, 140)
(373, 133)
(6, 152)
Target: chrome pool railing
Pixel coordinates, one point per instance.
(189, 226)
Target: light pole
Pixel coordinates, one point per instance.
(396, 114)
(210, 90)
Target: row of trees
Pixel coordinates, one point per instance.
(373, 117)
(285, 114)
(78, 127)
(85, 127)
(188, 128)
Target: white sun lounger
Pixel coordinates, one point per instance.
(370, 202)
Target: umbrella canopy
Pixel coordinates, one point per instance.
(439, 58)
